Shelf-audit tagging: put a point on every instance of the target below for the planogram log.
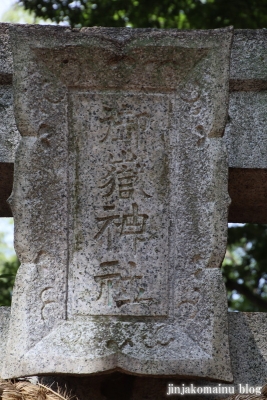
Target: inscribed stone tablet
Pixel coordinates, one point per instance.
(120, 202)
(121, 262)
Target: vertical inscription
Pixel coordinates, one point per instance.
(120, 286)
(120, 264)
(132, 223)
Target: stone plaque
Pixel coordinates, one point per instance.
(120, 263)
(120, 202)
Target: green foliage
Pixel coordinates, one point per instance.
(18, 14)
(199, 14)
(8, 268)
(7, 276)
(245, 267)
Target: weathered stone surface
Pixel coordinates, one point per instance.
(246, 134)
(246, 131)
(120, 202)
(9, 135)
(249, 60)
(9, 140)
(247, 340)
(247, 335)
(4, 323)
(6, 68)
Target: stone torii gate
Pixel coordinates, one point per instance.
(120, 203)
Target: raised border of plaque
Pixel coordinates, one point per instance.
(120, 202)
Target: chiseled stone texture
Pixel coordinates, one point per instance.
(246, 132)
(6, 68)
(247, 340)
(120, 202)
(248, 59)
(247, 336)
(4, 323)
(9, 135)
(9, 140)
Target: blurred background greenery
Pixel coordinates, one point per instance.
(245, 264)
(8, 261)
(182, 14)
(245, 267)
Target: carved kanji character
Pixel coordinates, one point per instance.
(134, 224)
(121, 124)
(121, 177)
(118, 288)
(130, 224)
(106, 223)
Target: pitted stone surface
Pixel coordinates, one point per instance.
(4, 323)
(247, 340)
(6, 68)
(120, 202)
(249, 59)
(246, 133)
(9, 135)
(122, 237)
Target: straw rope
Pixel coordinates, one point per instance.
(24, 390)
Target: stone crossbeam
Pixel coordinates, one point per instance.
(245, 135)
